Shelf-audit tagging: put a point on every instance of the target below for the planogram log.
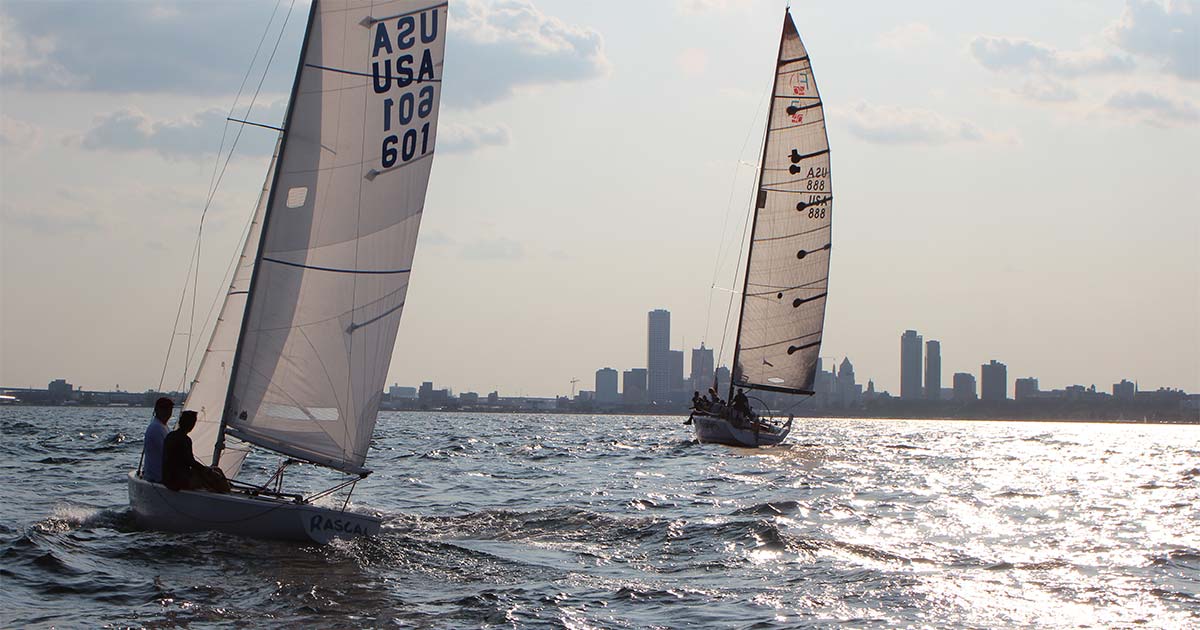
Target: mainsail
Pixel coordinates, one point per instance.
(338, 233)
(787, 267)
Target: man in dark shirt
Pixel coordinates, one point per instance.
(180, 469)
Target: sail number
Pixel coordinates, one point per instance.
(816, 206)
(408, 112)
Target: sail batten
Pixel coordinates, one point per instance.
(337, 243)
(782, 319)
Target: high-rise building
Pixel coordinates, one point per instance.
(658, 358)
(964, 387)
(675, 382)
(633, 387)
(606, 386)
(1124, 390)
(722, 381)
(1025, 388)
(933, 369)
(993, 381)
(702, 368)
(848, 391)
(910, 365)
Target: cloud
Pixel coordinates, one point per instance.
(700, 6)
(1047, 90)
(493, 249)
(1008, 53)
(906, 37)
(117, 47)
(884, 124)
(462, 138)
(692, 62)
(191, 136)
(16, 134)
(1167, 33)
(498, 47)
(1158, 110)
(56, 219)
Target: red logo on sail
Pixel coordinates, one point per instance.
(800, 84)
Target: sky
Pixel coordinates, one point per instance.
(1017, 180)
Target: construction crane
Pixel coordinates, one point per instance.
(573, 382)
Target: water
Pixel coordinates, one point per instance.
(624, 522)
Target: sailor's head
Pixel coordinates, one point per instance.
(162, 408)
(187, 420)
(741, 391)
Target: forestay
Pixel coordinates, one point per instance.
(207, 394)
(787, 268)
(339, 232)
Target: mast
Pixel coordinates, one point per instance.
(759, 202)
(262, 238)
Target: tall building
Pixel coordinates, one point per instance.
(722, 381)
(658, 354)
(675, 382)
(993, 381)
(848, 391)
(606, 386)
(1124, 390)
(910, 365)
(702, 368)
(633, 387)
(1025, 388)
(933, 369)
(964, 387)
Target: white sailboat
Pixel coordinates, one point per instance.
(787, 263)
(297, 361)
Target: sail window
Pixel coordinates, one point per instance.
(297, 196)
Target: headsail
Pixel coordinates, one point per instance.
(340, 231)
(207, 394)
(787, 268)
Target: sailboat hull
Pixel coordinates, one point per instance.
(718, 430)
(157, 507)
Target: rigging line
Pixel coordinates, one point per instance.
(728, 211)
(241, 88)
(174, 326)
(233, 146)
(741, 248)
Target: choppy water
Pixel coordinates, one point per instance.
(613, 521)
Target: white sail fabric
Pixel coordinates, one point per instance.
(340, 231)
(207, 394)
(787, 269)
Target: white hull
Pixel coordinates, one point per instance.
(720, 431)
(157, 507)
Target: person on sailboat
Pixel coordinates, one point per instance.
(741, 404)
(152, 443)
(180, 469)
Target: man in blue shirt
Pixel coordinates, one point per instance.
(152, 447)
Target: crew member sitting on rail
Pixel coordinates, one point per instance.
(152, 446)
(180, 469)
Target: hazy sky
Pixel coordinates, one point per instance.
(1017, 179)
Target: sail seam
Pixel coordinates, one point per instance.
(373, 20)
(336, 270)
(777, 343)
(365, 74)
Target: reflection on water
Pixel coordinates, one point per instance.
(609, 521)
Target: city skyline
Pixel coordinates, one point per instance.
(574, 186)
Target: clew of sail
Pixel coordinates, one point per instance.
(787, 267)
(339, 232)
(207, 394)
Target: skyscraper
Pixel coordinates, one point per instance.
(633, 387)
(933, 370)
(1025, 388)
(964, 387)
(658, 357)
(993, 381)
(910, 365)
(702, 368)
(674, 372)
(606, 385)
